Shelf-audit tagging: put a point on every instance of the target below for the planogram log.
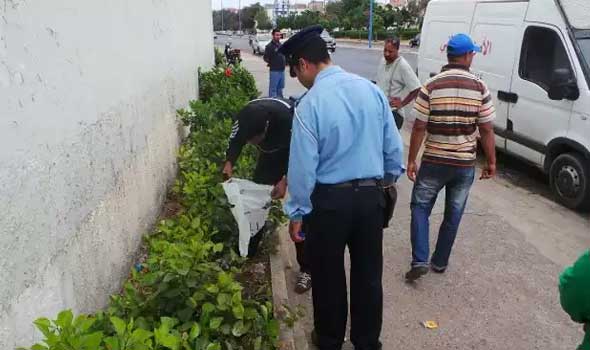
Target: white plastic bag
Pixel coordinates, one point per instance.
(250, 206)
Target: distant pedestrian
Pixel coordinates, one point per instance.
(574, 289)
(344, 147)
(396, 78)
(450, 108)
(276, 63)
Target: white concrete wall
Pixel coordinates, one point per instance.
(88, 139)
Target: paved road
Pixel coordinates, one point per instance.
(354, 58)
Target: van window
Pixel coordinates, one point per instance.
(542, 53)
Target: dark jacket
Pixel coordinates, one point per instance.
(253, 119)
(275, 60)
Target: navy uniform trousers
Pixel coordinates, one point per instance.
(346, 217)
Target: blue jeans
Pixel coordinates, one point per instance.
(276, 83)
(431, 179)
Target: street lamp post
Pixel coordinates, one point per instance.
(221, 15)
(240, 16)
(370, 23)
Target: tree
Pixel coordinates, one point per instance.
(230, 20)
(249, 13)
(262, 21)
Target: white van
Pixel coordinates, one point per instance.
(536, 62)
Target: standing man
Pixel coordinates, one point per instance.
(276, 63)
(266, 123)
(451, 107)
(344, 147)
(574, 287)
(395, 77)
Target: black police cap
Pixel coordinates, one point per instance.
(299, 40)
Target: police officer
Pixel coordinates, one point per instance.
(345, 145)
(266, 123)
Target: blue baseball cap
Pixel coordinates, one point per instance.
(460, 44)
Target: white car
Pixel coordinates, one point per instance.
(259, 43)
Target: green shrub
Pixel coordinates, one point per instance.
(186, 294)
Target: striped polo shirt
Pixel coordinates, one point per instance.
(452, 104)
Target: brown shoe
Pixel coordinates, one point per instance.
(303, 283)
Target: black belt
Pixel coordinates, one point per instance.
(356, 183)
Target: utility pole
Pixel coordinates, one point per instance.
(370, 23)
(240, 16)
(221, 15)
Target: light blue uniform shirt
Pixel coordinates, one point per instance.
(343, 130)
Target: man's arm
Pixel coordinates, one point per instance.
(233, 150)
(411, 97)
(416, 140)
(303, 162)
(488, 143)
(422, 113)
(411, 83)
(267, 54)
(487, 114)
(393, 147)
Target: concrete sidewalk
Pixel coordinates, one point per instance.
(500, 291)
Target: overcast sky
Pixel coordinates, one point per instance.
(236, 3)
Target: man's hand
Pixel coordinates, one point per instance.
(489, 171)
(227, 171)
(412, 170)
(395, 102)
(280, 189)
(294, 229)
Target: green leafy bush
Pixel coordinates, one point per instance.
(186, 295)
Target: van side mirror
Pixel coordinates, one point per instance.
(563, 86)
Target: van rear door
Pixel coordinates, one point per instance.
(495, 27)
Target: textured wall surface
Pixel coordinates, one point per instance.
(88, 138)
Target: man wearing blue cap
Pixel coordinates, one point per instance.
(450, 108)
(344, 148)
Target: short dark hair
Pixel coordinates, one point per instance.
(453, 58)
(394, 40)
(314, 51)
(276, 30)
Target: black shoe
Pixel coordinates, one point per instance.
(438, 269)
(314, 338)
(416, 272)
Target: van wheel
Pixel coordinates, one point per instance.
(570, 181)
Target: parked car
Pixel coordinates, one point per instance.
(535, 60)
(259, 43)
(415, 42)
(330, 42)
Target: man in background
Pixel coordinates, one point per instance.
(276, 64)
(451, 108)
(396, 78)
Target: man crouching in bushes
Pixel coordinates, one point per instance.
(266, 124)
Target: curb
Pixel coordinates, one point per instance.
(289, 338)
